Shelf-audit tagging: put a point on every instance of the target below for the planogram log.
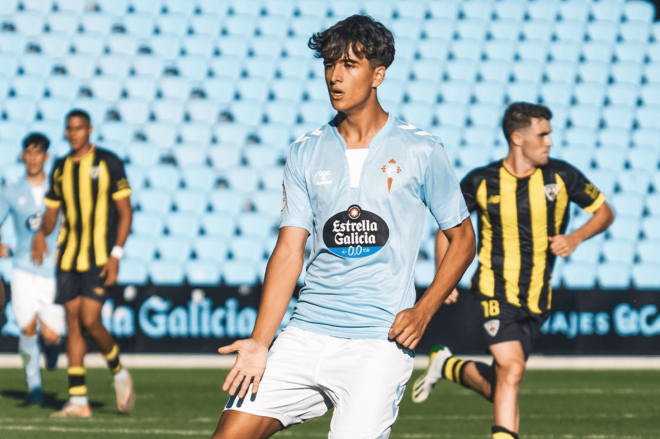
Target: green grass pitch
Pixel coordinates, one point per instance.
(171, 403)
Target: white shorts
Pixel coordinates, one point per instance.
(34, 296)
(308, 373)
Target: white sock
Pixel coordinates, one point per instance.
(79, 400)
(28, 346)
(121, 375)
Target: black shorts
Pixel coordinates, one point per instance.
(71, 284)
(502, 322)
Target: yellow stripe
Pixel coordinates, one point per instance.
(458, 371)
(502, 435)
(561, 202)
(549, 296)
(101, 216)
(86, 201)
(600, 199)
(117, 369)
(510, 236)
(486, 275)
(539, 215)
(121, 194)
(76, 370)
(448, 372)
(71, 216)
(52, 203)
(112, 354)
(78, 390)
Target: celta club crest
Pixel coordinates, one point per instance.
(94, 172)
(391, 169)
(492, 326)
(551, 191)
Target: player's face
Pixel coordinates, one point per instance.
(536, 142)
(34, 157)
(352, 81)
(77, 132)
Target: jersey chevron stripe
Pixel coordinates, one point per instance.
(486, 275)
(510, 236)
(539, 217)
(101, 216)
(85, 195)
(561, 203)
(71, 216)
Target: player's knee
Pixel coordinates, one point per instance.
(512, 372)
(90, 323)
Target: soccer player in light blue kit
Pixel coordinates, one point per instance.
(32, 286)
(360, 186)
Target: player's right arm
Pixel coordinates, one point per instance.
(4, 211)
(53, 202)
(282, 272)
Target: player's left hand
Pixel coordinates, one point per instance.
(109, 271)
(562, 245)
(409, 326)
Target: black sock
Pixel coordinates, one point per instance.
(503, 433)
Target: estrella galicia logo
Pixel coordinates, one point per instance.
(355, 233)
(33, 223)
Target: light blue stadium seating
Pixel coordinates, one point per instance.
(653, 203)
(155, 200)
(604, 179)
(190, 201)
(191, 154)
(160, 134)
(148, 223)
(577, 155)
(163, 176)
(651, 227)
(212, 248)
(628, 203)
(236, 273)
(646, 276)
(424, 272)
(562, 71)
(174, 248)
(644, 158)
(202, 272)
(579, 275)
(626, 227)
(451, 113)
(271, 177)
(646, 136)
(166, 272)
(198, 177)
(132, 272)
(140, 247)
(227, 200)
(620, 251)
(606, 31)
(182, 224)
(631, 51)
(647, 250)
(219, 225)
(458, 91)
(556, 93)
(614, 276)
(255, 224)
(246, 248)
(635, 181)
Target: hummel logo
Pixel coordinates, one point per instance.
(324, 177)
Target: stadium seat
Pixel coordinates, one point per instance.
(468, 49)
(212, 248)
(433, 48)
(510, 10)
(635, 180)
(525, 91)
(457, 91)
(148, 223)
(132, 272)
(295, 67)
(231, 133)
(561, 71)
(88, 43)
(287, 89)
(198, 177)
(227, 200)
(151, 7)
(614, 276)
(220, 89)
(106, 87)
(604, 179)
(140, 247)
(451, 113)
(202, 272)
(246, 248)
(632, 51)
(162, 176)
(543, 10)
(316, 89)
(271, 178)
(579, 275)
(598, 51)
(182, 224)
(577, 155)
(646, 136)
(190, 201)
(538, 30)
(645, 158)
(238, 273)
(260, 156)
(504, 29)
(471, 28)
(143, 155)
(606, 31)
(268, 202)
(623, 94)
(305, 25)
(139, 24)
(495, 70)
(593, 73)
(12, 131)
(174, 248)
(256, 224)
(639, 31)
(621, 116)
(418, 113)
(166, 46)
(135, 111)
(224, 156)
(166, 272)
(96, 22)
(553, 93)
(650, 94)
(114, 64)
(653, 201)
(173, 24)
(54, 44)
(140, 87)
(28, 23)
(614, 136)
(586, 115)
(485, 114)
(565, 50)
(281, 111)
(26, 86)
(611, 157)
(528, 70)
(19, 109)
(648, 116)
(242, 178)
(218, 225)
(423, 90)
(438, 29)
(627, 72)
(651, 227)
(628, 203)
(316, 112)
(646, 276)
(626, 227)
(620, 251)
(168, 110)
(403, 27)
(247, 112)
(122, 44)
(430, 69)
(136, 177)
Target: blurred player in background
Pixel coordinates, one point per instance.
(90, 187)
(32, 286)
(360, 186)
(523, 207)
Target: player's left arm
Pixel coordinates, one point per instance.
(586, 195)
(121, 192)
(410, 324)
(564, 245)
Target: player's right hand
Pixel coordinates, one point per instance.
(39, 247)
(249, 366)
(452, 298)
(5, 251)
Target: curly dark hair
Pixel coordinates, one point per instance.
(36, 139)
(367, 37)
(77, 112)
(519, 115)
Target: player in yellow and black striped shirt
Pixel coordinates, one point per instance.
(90, 187)
(523, 207)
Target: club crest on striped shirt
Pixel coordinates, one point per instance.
(492, 326)
(94, 172)
(551, 191)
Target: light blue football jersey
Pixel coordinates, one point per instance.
(360, 273)
(16, 199)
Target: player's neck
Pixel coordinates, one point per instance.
(360, 126)
(36, 179)
(82, 152)
(518, 165)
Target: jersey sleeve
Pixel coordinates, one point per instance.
(296, 206)
(441, 191)
(54, 196)
(468, 188)
(119, 187)
(580, 190)
(4, 205)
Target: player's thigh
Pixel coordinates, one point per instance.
(239, 425)
(24, 297)
(50, 314)
(509, 361)
(366, 384)
(68, 287)
(92, 285)
(288, 391)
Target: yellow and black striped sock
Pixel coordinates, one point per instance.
(77, 385)
(453, 369)
(503, 433)
(112, 358)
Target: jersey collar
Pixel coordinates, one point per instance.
(375, 141)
